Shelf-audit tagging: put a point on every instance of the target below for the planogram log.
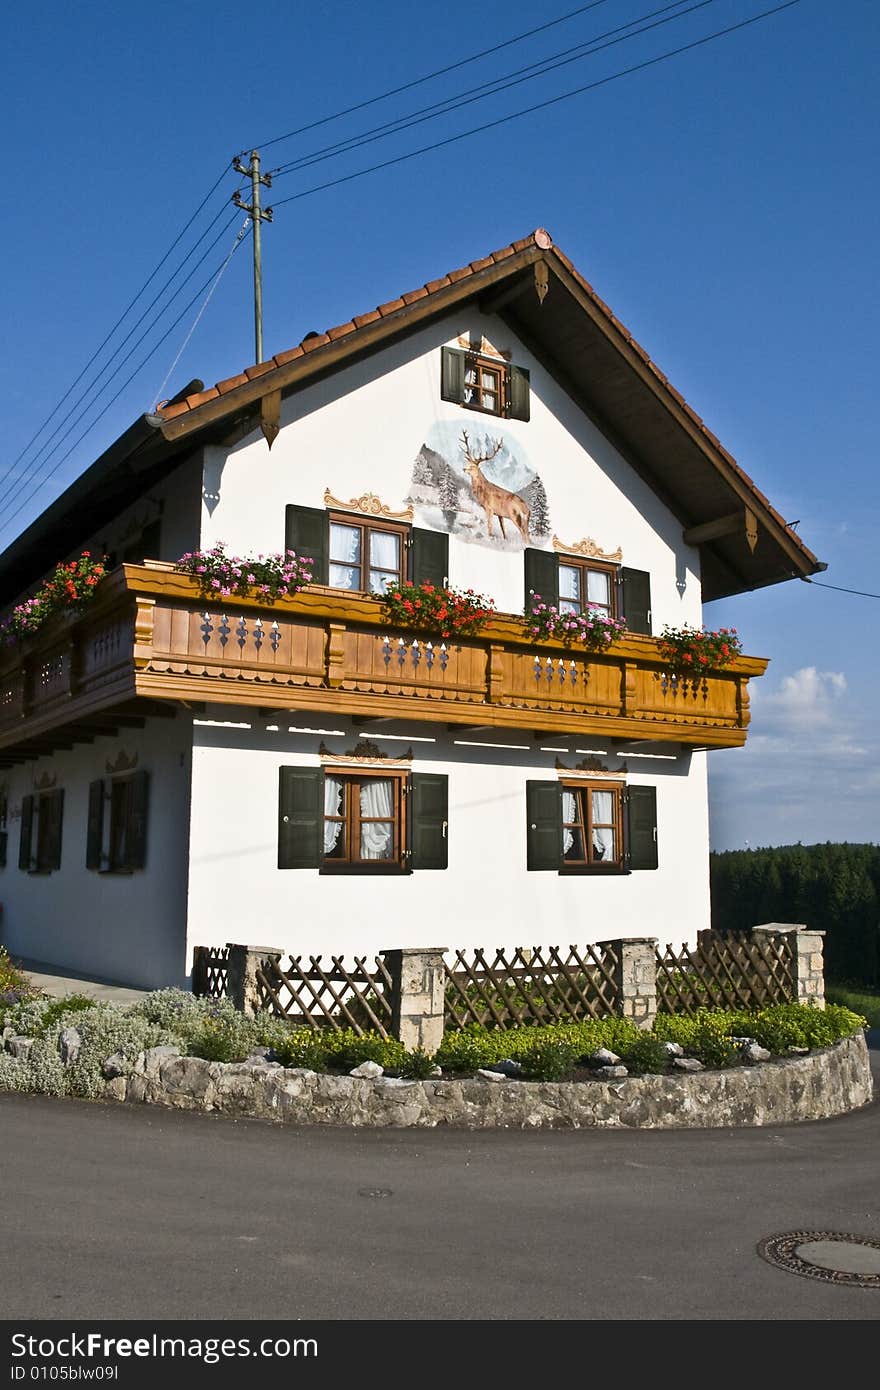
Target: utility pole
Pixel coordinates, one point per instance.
(257, 215)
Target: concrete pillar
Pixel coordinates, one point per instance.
(635, 978)
(807, 964)
(242, 966)
(418, 990)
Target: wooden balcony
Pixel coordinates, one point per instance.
(149, 639)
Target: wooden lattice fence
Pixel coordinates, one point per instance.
(210, 973)
(335, 995)
(542, 985)
(725, 972)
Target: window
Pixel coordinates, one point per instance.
(365, 558)
(39, 850)
(574, 585)
(487, 384)
(591, 830)
(349, 552)
(583, 586)
(590, 827)
(4, 834)
(117, 843)
(360, 820)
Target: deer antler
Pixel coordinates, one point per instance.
(494, 447)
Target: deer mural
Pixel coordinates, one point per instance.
(495, 501)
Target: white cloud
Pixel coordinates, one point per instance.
(806, 698)
(809, 770)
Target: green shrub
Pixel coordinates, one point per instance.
(219, 1037)
(684, 1028)
(302, 1047)
(12, 977)
(549, 1060)
(106, 1029)
(865, 1003)
(417, 1065)
(647, 1055)
(346, 1050)
(713, 1049)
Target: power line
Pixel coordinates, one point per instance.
(31, 476)
(539, 106)
(496, 85)
(429, 77)
(208, 297)
(144, 360)
(837, 588)
(99, 349)
(45, 448)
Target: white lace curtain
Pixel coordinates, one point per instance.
(602, 807)
(332, 807)
(377, 837)
(376, 800)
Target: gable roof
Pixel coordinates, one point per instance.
(533, 286)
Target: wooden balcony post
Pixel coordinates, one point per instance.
(628, 673)
(335, 655)
(143, 631)
(743, 714)
(495, 672)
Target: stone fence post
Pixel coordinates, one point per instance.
(418, 991)
(635, 978)
(242, 967)
(807, 964)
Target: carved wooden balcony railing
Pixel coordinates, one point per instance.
(149, 635)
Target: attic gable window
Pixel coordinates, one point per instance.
(487, 384)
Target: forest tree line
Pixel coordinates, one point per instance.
(833, 888)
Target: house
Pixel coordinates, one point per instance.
(180, 771)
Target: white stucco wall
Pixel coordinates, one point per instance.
(361, 429)
(486, 897)
(129, 928)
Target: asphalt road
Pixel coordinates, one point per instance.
(119, 1212)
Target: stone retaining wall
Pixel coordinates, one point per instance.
(815, 1086)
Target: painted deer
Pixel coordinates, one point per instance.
(495, 501)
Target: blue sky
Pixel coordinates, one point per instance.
(724, 203)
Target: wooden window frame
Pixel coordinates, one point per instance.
(351, 863)
(585, 824)
(596, 567)
(479, 362)
(366, 525)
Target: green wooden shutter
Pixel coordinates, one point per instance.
(136, 830)
(544, 825)
(636, 588)
(27, 827)
(542, 576)
(519, 394)
(300, 817)
(430, 557)
(452, 374)
(428, 818)
(307, 532)
(641, 827)
(95, 831)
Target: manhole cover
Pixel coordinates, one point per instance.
(828, 1255)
